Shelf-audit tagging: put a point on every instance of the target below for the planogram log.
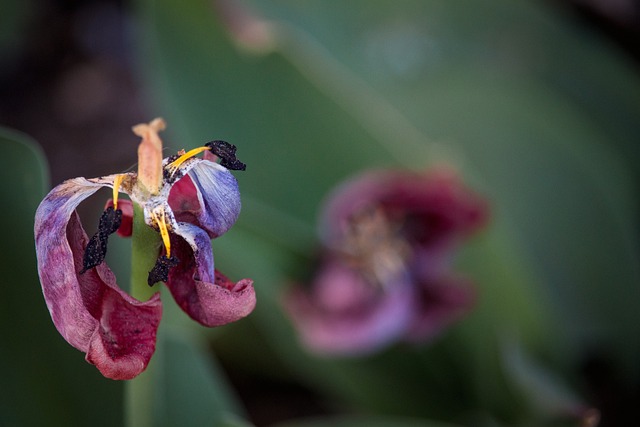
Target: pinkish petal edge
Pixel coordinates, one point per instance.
(327, 325)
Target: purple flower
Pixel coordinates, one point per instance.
(186, 200)
(386, 272)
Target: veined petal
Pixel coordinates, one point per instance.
(116, 331)
(208, 196)
(204, 294)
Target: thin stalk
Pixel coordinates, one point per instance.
(145, 245)
(145, 248)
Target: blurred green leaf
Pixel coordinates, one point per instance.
(336, 87)
(286, 130)
(45, 380)
(484, 78)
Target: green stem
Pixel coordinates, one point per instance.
(145, 245)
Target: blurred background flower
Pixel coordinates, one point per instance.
(535, 103)
(389, 240)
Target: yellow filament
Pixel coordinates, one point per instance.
(186, 156)
(117, 181)
(162, 225)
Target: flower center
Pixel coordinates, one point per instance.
(175, 165)
(374, 246)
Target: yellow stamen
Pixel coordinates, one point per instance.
(159, 218)
(180, 160)
(117, 181)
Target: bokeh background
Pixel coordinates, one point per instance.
(535, 103)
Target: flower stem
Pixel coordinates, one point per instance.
(145, 247)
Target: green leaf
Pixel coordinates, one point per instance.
(45, 380)
(513, 119)
(342, 86)
(285, 129)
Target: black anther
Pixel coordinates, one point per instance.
(96, 249)
(227, 154)
(160, 271)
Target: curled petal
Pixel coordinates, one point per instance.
(116, 331)
(205, 295)
(208, 196)
(342, 314)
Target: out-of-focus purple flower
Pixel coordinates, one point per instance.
(185, 199)
(386, 274)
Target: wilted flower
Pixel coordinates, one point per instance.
(186, 200)
(385, 274)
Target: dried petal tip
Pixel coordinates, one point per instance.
(156, 125)
(160, 271)
(96, 249)
(227, 154)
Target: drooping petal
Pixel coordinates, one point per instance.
(204, 294)
(207, 196)
(116, 331)
(342, 314)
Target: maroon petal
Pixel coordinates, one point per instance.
(342, 314)
(116, 331)
(184, 202)
(205, 295)
(435, 208)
